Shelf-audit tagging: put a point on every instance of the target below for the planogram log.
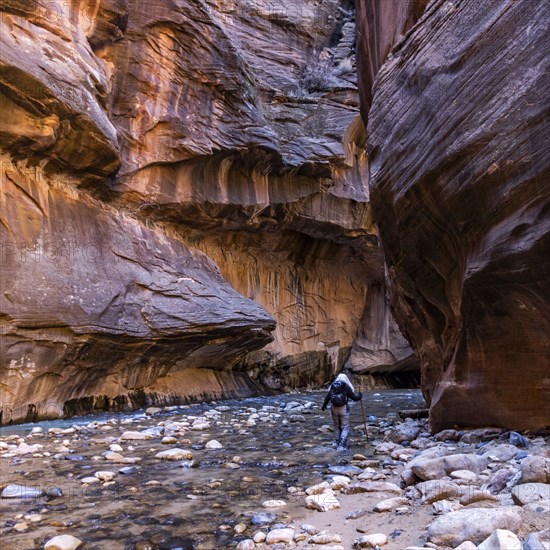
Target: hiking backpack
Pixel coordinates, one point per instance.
(338, 395)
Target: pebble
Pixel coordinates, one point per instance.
(356, 514)
(213, 444)
(273, 503)
(105, 475)
(371, 541)
(175, 454)
(168, 440)
(20, 491)
(262, 518)
(239, 528)
(247, 544)
(135, 436)
(389, 504)
(63, 542)
(323, 502)
(259, 537)
(285, 535)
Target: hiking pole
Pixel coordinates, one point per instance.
(364, 419)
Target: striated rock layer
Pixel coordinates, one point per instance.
(143, 144)
(459, 176)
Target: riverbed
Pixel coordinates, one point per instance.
(190, 503)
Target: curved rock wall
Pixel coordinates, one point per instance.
(459, 172)
(142, 143)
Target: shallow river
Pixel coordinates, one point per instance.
(179, 504)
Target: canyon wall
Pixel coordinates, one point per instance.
(459, 176)
(185, 205)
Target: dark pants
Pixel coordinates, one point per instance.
(340, 417)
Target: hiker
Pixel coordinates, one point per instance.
(339, 392)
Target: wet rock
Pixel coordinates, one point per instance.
(149, 411)
(119, 459)
(54, 492)
(89, 480)
(239, 528)
(501, 539)
(13, 490)
(116, 448)
(323, 502)
(247, 544)
(175, 454)
(527, 493)
(213, 444)
(356, 514)
(128, 470)
(63, 542)
(135, 436)
(371, 541)
(24, 449)
(297, 418)
(263, 518)
(105, 475)
(389, 504)
(535, 469)
(474, 524)
(169, 440)
(273, 503)
(285, 535)
(431, 491)
(518, 440)
(345, 470)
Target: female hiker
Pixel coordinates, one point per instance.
(339, 392)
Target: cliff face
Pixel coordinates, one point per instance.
(459, 179)
(182, 183)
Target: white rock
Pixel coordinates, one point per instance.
(501, 539)
(247, 544)
(324, 537)
(152, 410)
(389, 504)
(445, 506)
(280, 535)
(175, 454)
(371, 541)
(116, 448)
(526, 493)
(319, 488)
(213, 444)
(273, 503)
(465, 475)
(89, 480)
(137, 436)
(37, 430)
(323, 502)
(239, 528)
(63, 542)
(105, 475)
(259, 537)
(474, 524)
(20, 491)
(466, 545)
(168, 440)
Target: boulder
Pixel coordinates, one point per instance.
(526, 493)
(431, 491)
(535, 469)
(473, 524)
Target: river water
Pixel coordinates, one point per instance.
(267, 449)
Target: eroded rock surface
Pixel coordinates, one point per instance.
(459, 187)
(138, 143)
